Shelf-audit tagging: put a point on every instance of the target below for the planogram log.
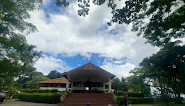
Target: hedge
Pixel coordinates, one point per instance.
(39, 90)
(40, 97)
(130, 94)
(134, 100)
(140, 100)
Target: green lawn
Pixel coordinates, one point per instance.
(157, 105)
(143, 105)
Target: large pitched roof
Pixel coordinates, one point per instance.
(89, 71)
(90, 66)
(57, 80)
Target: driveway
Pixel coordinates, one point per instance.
(14, 102)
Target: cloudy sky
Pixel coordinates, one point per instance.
(69, 41)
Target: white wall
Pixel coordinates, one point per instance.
(59, 88)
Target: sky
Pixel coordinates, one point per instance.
(68, 40)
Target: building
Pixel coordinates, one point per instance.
(58, 83)
(87, 77)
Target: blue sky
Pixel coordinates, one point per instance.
(68, 40)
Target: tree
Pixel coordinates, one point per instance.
(168, 68)
(119, 85)
(22, 80)
(34, 82)
(158, 21)
(54, 74)
(138, 83)
(16, 55)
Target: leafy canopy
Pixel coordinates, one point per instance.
(16, 55)
(159, 21)
(54, 74)
(119, 84)
(167, 69)
(34, 82)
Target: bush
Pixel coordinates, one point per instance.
(130, 94)
(64, 94)
(140, 100)
(11, 92)
(39, 90)
(134, 94)
(120, 100)
(40, 97)
(119, 93)
(134, 100)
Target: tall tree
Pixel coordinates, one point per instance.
(168, 68)
(22, 80)
(16, 55)
(54, 74)
(34, 82)
(119, 85)
(139, 83)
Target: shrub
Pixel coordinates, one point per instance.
(64, 94)
(130, 94)
(120, 100)
(113, 98)
(40, 97)
(11, 92)
(140, 100)
(119, 93)
(134, 100)
(134, 94)
(39, 90)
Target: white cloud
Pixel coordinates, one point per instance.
(46, 2)
(120, 70)
(47, 64)
(69, 34)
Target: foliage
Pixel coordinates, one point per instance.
(12, 91)
(40, 97)
(34, 83)
(119, 93)
(39, 90)
(138, 100)
(120, 100)
(138, 83)
(119, 85)
(64, 95)
(113, 98)
(16, 55)
(31, 77)
(158, 20)
(134, 100)
(2, 99)
(130, 94)
(54, 74)
(167, 68)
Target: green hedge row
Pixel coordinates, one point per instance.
(39, 90)
(140, 100)
(40, 97)
(130, 94)
(134, 100)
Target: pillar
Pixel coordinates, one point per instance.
(71, 85)
(109, 85)
(67, 85)
(104, 86)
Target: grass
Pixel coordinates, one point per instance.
(143, 105)
(157, 105)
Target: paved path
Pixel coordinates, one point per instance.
(14, 102)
